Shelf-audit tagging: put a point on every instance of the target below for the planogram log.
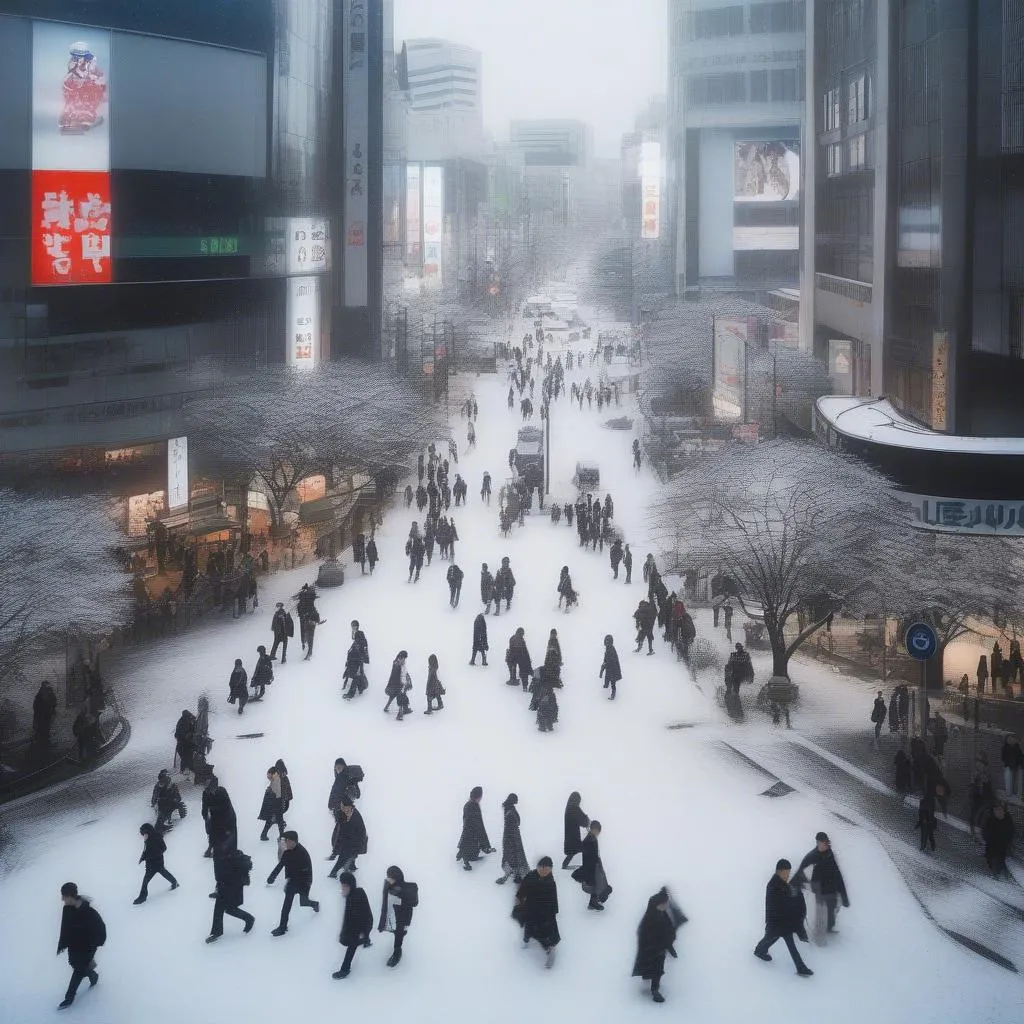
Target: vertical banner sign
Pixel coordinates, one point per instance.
(413, 218)
(177, 473)
(70, 155)
(303, 313)
(650, 190)
(357, 138)
(433, 222)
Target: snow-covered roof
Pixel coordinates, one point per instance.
(878, 421)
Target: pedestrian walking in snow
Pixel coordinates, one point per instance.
(356, 923)
(784, 917)
(359, 552)
(591, 874)
(536, 908)
(610, 668)
(415, 549)
(82, 932)
(219, 816)
(371, 553)
(926, 819)
(485, 489)
(166, 799)
(997, 832)
(636, 454)
(479, 639)
(486, 587)
(397, 904)
(504, 586)
(644, 617)
(262, 674)
(308, 623)
(627, 563)
(355, 661)
(454, 577)
(434, 689)
(272, 807)
(655, 936)
(470, 437)
(575, 819)
(185, 742)
(565, 589)
(231, 872)
(827, 884)
(473, 842)
(545, 702)
(878, 712)
(518, 658)
(615, 556)
(153, 851)
(398, 683)
(298, 873)
(238, 686)
(345, 785)
(513, 858)
(348, 840)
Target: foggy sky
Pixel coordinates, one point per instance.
(597, 60)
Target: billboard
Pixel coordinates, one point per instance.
(433, 222)
(308, 245)
(71, 215)
(357, 140)
(840, 365)
(413, 220)
(650, 190)
(766, 172)
(303, 319)
(177, 473)
(730, 356)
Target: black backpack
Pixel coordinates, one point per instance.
(410, 894)
(244, 862)
(355, 773)
(289, 624)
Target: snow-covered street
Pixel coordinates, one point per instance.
(675, 810)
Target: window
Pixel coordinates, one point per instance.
(834, 159)
(726, 21)
(857, 149)
(857, 100)
(785, 86)
(705, 90)
(758, 86)
(783, 16)
(830, 110)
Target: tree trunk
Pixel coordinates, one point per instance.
(776, 637)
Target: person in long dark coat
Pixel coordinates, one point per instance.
(153, 851)
(784, 913)
(536, 908)
(479, 639)
(185, 741)
(238, 686)
(353, 675)
(610, 667)
(298, 874)
(575, 819)
(473, 840)
(44, 708)
(435, 691)
(486, 587)
(397, 902)
(454, 577)
(231, 872)
(349, 839)
(655, 936)
(371, 553)
(396, 681)
(82, 932)
(513, 856)
(262, 674)
(356, 924)
(591, 874)
(166, 799)
(272, 808)
(219, 815)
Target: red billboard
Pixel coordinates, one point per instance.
(71, 227)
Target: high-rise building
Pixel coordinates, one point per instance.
(443, 76)
(736, 92)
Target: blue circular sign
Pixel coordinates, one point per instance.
(920, 641)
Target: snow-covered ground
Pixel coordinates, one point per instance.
(674, 810)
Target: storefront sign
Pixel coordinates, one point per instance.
(982, 517)
(840, 365)
(308, 245)
(303, 316)
(177, 473)
(142, 510)
(71, 209)
(357, 139)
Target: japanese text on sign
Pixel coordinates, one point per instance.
(71, 236)
(967, 515)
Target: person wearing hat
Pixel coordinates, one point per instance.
(826, 883)
(399, 898)
(356, 924)
(784, 913)
(655, 936)
(298, 873)
(610, 668)
(536, 908)
(82, 932)
(473, 840)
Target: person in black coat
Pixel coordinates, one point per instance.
(356, 924)
(434, 689)
(575, 819)
(415, 549)
(397, 902)
(655, 936)
(486, 587)
(826, 879)
(280, 624)
(536, 908)
(998, 835)
(454, 577)
(219, 815)
(272, 807)
(784, 914)
(504, 586)
(44, 708)
(479, 638)
(473, 840)
(610, 668)
(262, 674)
(298, 873)
(82, 932)
(518, 657)
(238, 686)
(353, 674)
(513, 857)
(591, 874)
(344, 784)
(371, 554)
(349, 839)
(153, 851)
(231, 871)
(359, 552)
(166, 799)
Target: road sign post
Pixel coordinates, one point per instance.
(922, 643)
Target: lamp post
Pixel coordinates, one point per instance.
(547, 446)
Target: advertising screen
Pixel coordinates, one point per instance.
(357, 140)
(71, 214)
(766, 172)
(730, 367)
(650, 190)
(433, 221)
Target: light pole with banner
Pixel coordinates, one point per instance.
(922, 644)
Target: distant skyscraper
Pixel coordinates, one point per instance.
(443, 76)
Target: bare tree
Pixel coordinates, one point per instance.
(284, 425)
(57, 569)
(799, 529)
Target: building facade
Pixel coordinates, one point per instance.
(187, 190)
(736, 101)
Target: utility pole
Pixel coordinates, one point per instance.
(547, 446)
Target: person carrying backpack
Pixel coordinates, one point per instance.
(232, 873)
(397, 903)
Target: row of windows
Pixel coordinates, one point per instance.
(777, 16)
(858, 107)
(784, 85)
(849, 156)
(845, 229)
